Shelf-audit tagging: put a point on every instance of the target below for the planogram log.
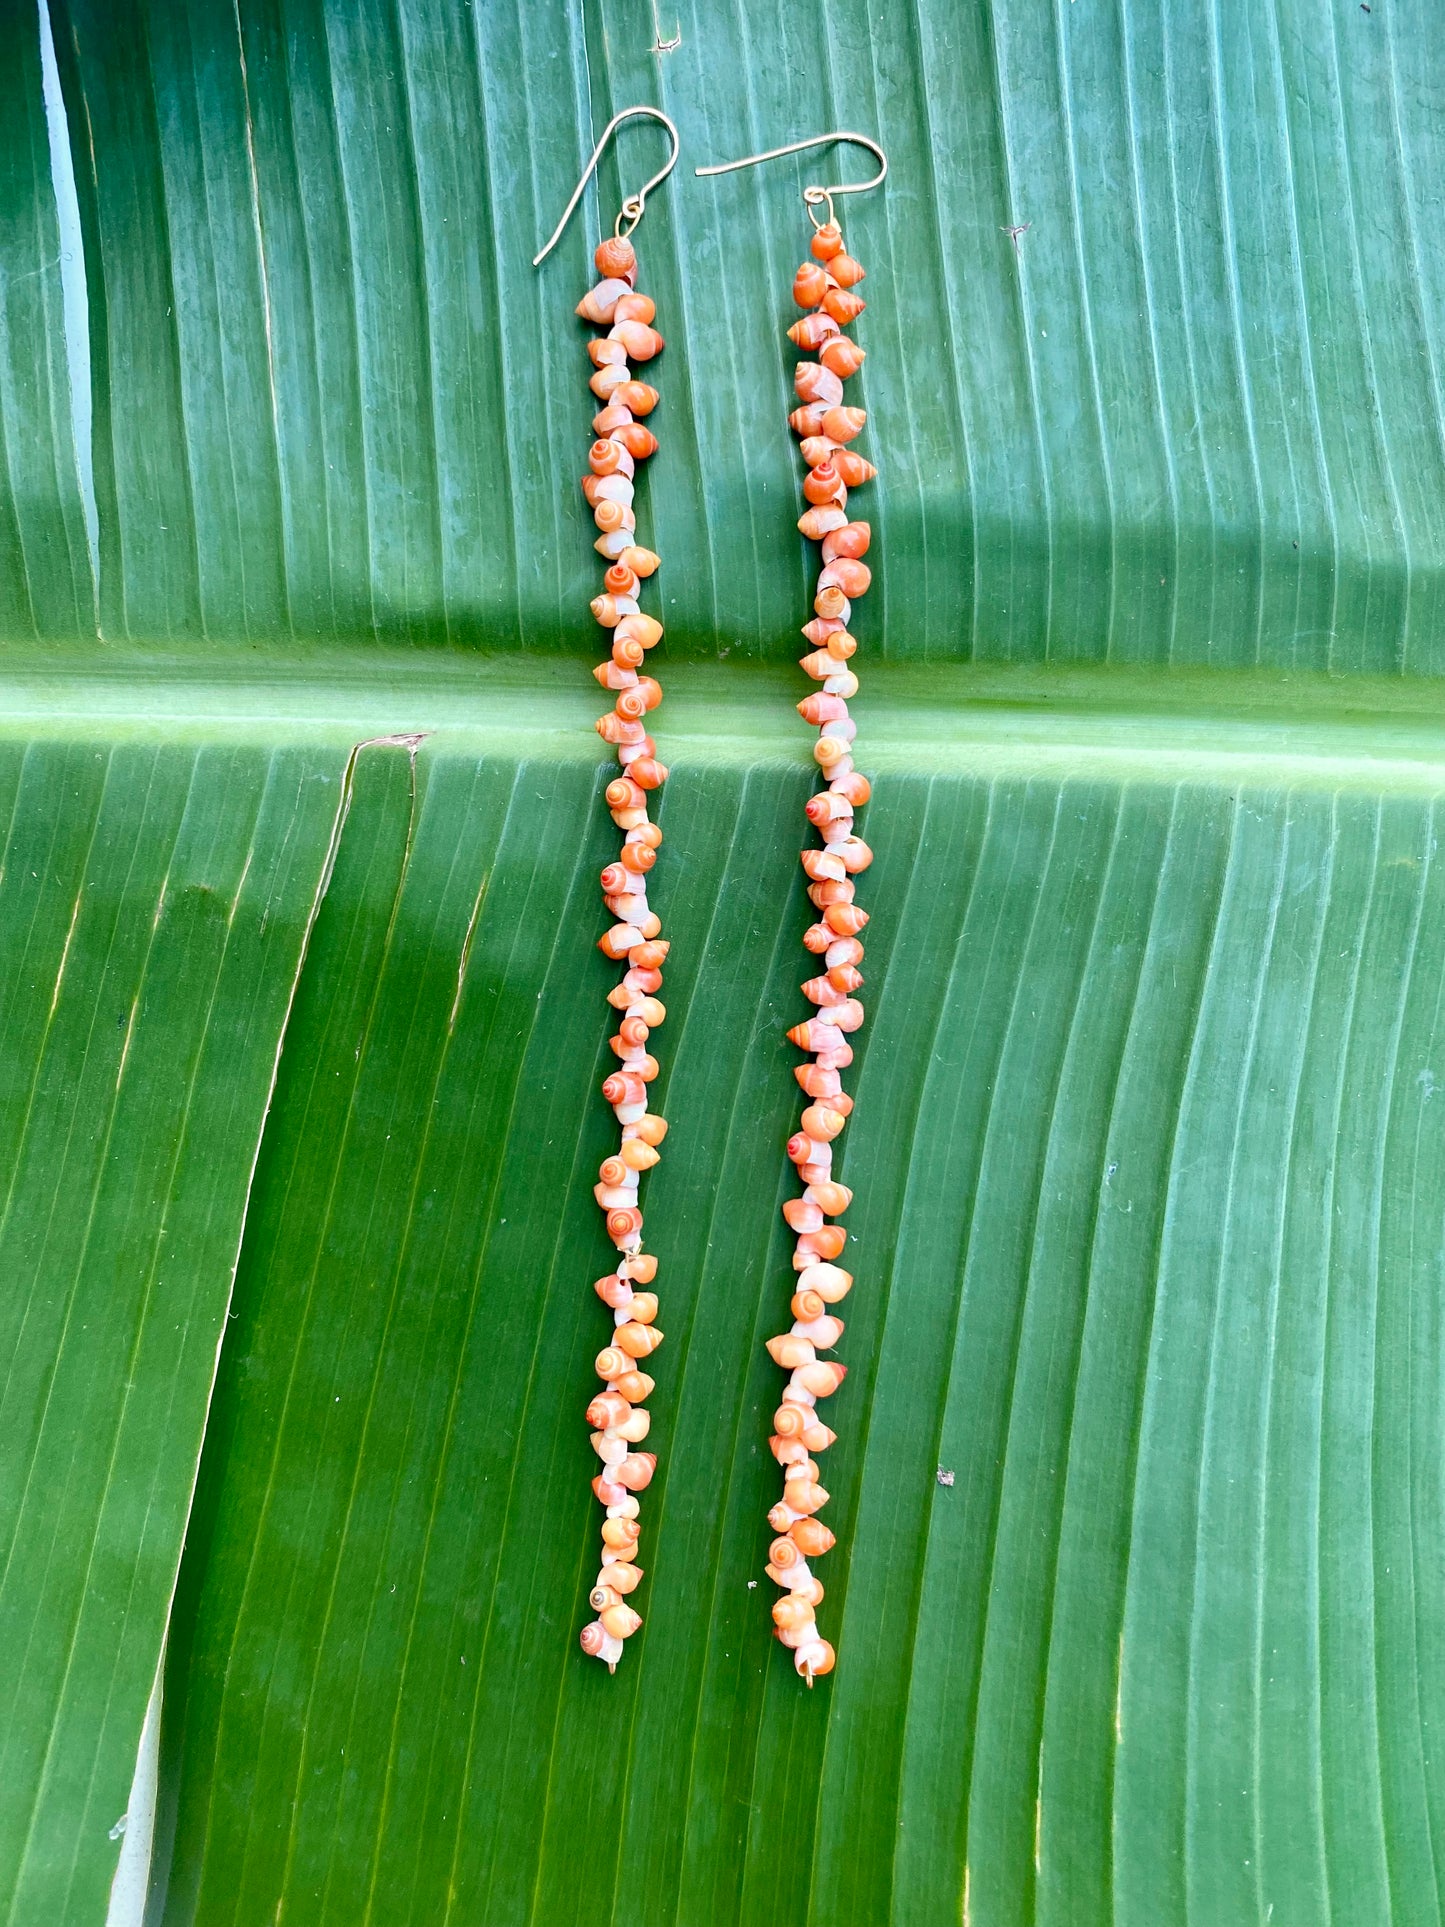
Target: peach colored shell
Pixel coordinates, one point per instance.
(617, 1416)
(822, 285)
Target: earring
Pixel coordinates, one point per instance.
(617, 1416)
(824, 286)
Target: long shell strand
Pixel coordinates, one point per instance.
(824, 286)
(617, 1417)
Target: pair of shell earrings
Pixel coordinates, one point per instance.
(825, 288)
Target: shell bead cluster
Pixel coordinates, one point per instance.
(617, 1416)
(827, 428)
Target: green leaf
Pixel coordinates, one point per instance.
(46, 588)
(1192, 415)
(1144, 1151)
(1139, 1577)
(154, 903)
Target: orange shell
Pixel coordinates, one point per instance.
(852, 577)
(811, 1537)
(842, 356)
(850, 540)
(638, 1340)
(823, 484)
(636, 1470)
(845, 270)
(843, 305)
(828, 241)
(634, 307)
(816, 383)
(821, 520)
(792, 1612)
(637, 396)
(842, 424)
(810, 284)
(620, 1622)
(639, 442)
(599, 304)
(805, 1495)
(831, 1199)
(821, 708)
(644, 629)
(622, 794)
(608, 1408)
(616, 257)
(623, 1224)
(608, 379)
(846, 918)
(789, 1352)
(812, 331)
(854, 470)
(640, 341)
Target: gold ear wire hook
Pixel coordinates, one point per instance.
(815, 196)
(632, 208)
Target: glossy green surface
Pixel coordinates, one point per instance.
(1148, 1139)
(1147, 1154)
(1193, 415)
(154, 901)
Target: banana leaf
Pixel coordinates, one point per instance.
(1138, 1591)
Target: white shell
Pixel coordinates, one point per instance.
(820, 1333)
(809, 1656)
